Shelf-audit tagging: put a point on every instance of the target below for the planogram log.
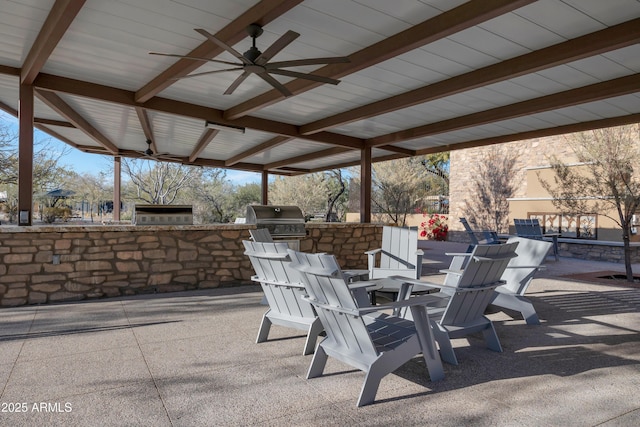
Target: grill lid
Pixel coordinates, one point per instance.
(281, 221)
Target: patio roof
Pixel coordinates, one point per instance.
(424, 76)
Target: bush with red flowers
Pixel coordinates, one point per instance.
(435, 227)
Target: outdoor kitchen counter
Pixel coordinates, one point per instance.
(49, 263)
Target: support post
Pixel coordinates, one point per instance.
(365, 185)
(25, 155)
(265, 187)
(117, 177)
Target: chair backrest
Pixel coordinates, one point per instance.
(399, 248)
(261, 235)
(486, 264)
(480, 276)
(529, 228)
(283, 286)
(470, 232)
(334, 302)
(520, 271)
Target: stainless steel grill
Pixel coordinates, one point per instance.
(282, 221)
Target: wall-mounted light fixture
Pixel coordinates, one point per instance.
(220, 126)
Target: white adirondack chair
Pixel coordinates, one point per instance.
(373, 342)
(399, 254)
(283, 291)
(458, 308)
(518, 276)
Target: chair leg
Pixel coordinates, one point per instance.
(318, 363)
(529, 314)
(491, 338)
(312, 337)
(446, 349)
(265, 327)
(370, 386)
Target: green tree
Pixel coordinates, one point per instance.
(213, 197)
(609, 182)
(398, 188)
(48, 174)
(308, 192)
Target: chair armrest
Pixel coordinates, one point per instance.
(537, 267)
(450, 271)
(271, 282)
(373, 251)
(465, 254)
(368, 284)
(277, 255)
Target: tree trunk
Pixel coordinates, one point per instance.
(627, 252)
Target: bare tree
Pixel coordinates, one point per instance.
(607, 183)
(337, 195)
(494, 183)
(158, 183)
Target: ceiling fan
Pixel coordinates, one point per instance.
(150, 155)
(255, 62)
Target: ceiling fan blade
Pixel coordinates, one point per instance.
(206, 72)
(237, 83)
(276, 47)
(276, 84)
(195, 58)
(223, 45)
(310, 61)
(298, 75)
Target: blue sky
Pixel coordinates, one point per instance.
(94, 163)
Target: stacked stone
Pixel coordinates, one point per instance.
(66, 263)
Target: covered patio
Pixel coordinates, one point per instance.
(415, 77)
(186, 359)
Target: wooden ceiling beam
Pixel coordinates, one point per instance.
(616, 37)
(306, 157)
(59, 106)
(48, 82)
(36, 120)
(147, 128)
(55, 26)
(357, 163)
(538, 133)
(273, 142)
(262, 13)
(56, 135)
(206, 137)
(50, 122)
(447, 23)
(399, 150)
(595, 92)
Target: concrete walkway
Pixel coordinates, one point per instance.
(189, 359)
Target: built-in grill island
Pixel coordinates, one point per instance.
(283, 222)
(162, 215)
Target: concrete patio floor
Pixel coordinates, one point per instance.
(189, 359)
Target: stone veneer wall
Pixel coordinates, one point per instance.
(66, 263)
(597, 251)
(531, 153)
